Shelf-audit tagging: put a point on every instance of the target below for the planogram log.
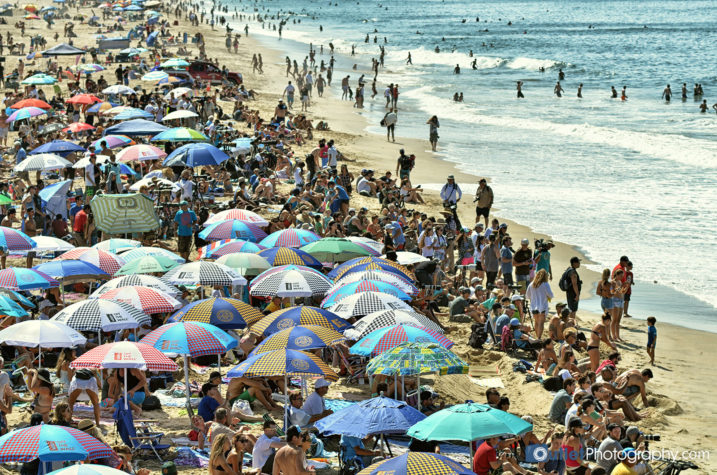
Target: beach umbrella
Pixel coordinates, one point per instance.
(224, 313)
(51, 244)
(133, 51)
(41, 334)
(468, 422)
(125, 213)
(415, 359)
(30, 7)
(87, 468)
(242, 145)
(195, 155)
(295, 316)
(31, 103)
(106, 261)
(17, 297)
(125, 354)
(117, 110)
(15, 240)
(284, 256)
(128, 255)
(72, 270)
(77, 127)
(118, 89)
(364, 303)
(141, 152)
(388, 318)
(38, 80)
(245, 263)
(340, 291)
(145, 299)
(82, 163)
(115, 245)
(133, 8)
(51, 443)
(230, 229)
(291, 237)
(136, 127)
(384, 339)
(134, 113)
(112, 141)
(54, 198)
(289, 281)
(155, 76)
(100, 107)
(333, 249)
(347, 268)
(170, 80)
(154, 181)
(51, 128)
(31, 16)
(147, 265)
(180, 134)
(88, 68)
(305, 337)
(417, 463)
(5, 200)
(387, 277)
(60, 147)
(204, 273)
(83, 99)
(17, 278)
(10, 308)
(409, 258)
(180, 114)
(227, 246)
(238, 214)
(25, 113)
(133, 280)
(378, 415)
(179, 92)
(174, 63)
(283, 363)
(96, 314)
(42, 162)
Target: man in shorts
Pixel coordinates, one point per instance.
(185, 219)
(484, 200)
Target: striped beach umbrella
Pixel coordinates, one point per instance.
(25, 113)
(284, 256)
(239, 214)
(333, 249)
(387, 277)
(289, 281)
(384, 339)
(282, 363)
(125, 213)
(14, 240)
(370, 263)
(117, 244)
(96, 314)
(342, 291)
(204, 273)
(309, 337)
(145, 299)
(228, 246)
(389, 318)
(232, 229)
(147, 265)
(180, 134)
(223, 313)
(106, 261)
(291, 237)
(72, 270)
(136, 253)
(190, 338)
(417, 463)
(42, 162)
(296, 316)
(17, 278)
(245, 263)
(51, 443)
(155, 76)
(142, 280)
(125, 354)
(363, 303)
(417, 358)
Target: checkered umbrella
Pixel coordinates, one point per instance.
(417, 358)
(125, 354)
(117, 244)
(282, 362)
(227, 246)
(304, 338)
(384, 339)
(141, 279)
(18, 278)
(150, 251)
(145, 299)
(96, 314)
(291, 237)
(363, 303)
(51, 443)
(231, 229)
(341, 291)
(190, 338)
(223, 313)
(295, 316)
(106, 261)
(388, 318)
(417, 463)
(204, 273)
(284, 256)
(388, 277)
(239, 214)
(370, 263)
(289, 281)
(14, 240)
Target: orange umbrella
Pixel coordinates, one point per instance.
(31, 103)
(30, 8)
(83, 99)
(78, 127)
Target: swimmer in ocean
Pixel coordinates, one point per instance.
(684, 91)
(437, 50)
(613, 92)
(457, 69)
(623, 95)
(561, 75)
(580, 91)
(667, 93)
(558, 89)
(704, 106)
(519, 88)
(474, 64)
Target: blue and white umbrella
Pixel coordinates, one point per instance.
(194, 155)
(134, 113)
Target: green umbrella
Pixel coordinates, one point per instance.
(333, 249)
(417, 358)
(245, 263)
(5, 200)
(468, 422)
(126, 213)
(148, 265)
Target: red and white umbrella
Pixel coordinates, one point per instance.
(141, 152)
(106, 261)
(125, 354)
(239, 214)
(146, 299)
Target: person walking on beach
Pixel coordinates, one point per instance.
(345, 88)
(433, 132)
(558, 90)
(389, 121)
(651, 338)
(388, 93)
(571, 284)
(394, 97)
(667, 93)
(289, 93)
(484, 199)
(519, 87)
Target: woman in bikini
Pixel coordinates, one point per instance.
(604, 291)
(38, 381)
(547, 357)
(599, 333)
(618, 300)
(567, 361)
(572, 448)
(221, 447)
(240, 445)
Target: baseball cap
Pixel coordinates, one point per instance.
(183, 203)
(517, 297)
(503, 225)
(321, 383)
(475, 280)
(464, 290)
(514, 322)
(524, 241)
(451, 177)
(479, 225)
(632, 431)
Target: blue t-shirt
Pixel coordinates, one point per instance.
(651, 335)
(21, 155)
(185, 219)
(543, 262)
(207, 406)
(348, 443)
(342, 195)
(517, 334)
(74, 209)
(502, 321)
(506, 267)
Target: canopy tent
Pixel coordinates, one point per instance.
(63, 49)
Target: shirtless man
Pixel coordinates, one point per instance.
(250, 389)
(280, 111)
(289, 460)
(632, 382)
(557, 325)
(547, 356)
(31, 230)
(667, 93)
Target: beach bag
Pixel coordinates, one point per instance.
(478, 335)
(84, 374)
(553, 383)
(564, 282)
(242, 407)
(151, 403)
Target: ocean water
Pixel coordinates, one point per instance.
(610, 177)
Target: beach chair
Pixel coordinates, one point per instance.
(147, 440)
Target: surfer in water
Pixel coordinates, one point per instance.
(558, 90)
(684, 91)
(580, 91)
(623, 95)
(519, 87)
(613, 92)
(667, 93)
(474, 64)
(561, 75)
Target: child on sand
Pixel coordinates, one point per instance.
(651, 338)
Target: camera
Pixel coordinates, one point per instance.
(652, 437)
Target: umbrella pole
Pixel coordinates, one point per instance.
(403, 387)
(126, 404)
(418, 388)
(219, 367)
(395, 385)
(286, 403)
(40, 356)
(186, 376)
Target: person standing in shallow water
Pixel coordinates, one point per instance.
(558, 90)
(433, 131)
(580, 91)
(667, 93)
(519, 88)
(623, 96)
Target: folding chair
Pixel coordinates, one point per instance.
(146, 440)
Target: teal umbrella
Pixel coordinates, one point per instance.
(148, 265)
(174, 63)
(333, 249)
(39, 79)
(10, 308)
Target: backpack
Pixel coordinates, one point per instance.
(565, 282)
(151, 403)
(478, 335)
(553, 383)
(84, 374)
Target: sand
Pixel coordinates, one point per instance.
(682, 408)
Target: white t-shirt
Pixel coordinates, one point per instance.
(90, 175)
(314, 404)
(333, 155)
(262, 450)
(427, 249)
(363, 186)
(290, 90)
(187, 186)
(298, 178)
(572, 412)
(298, 417)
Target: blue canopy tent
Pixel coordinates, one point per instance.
(136, 127)
(152, 38)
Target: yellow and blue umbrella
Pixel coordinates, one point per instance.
(283, 363)
(417, 463)
(303, 338)
(370, 263)
(284, 256)
(295, 316)
(224, 313)
(417, 358)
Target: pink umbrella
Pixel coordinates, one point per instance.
(25, 113)
(239, 214)
(146, 299)
(106, 261)
(113, 141)
(78, 127)
(141, 152)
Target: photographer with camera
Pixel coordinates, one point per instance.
(541, 258)
(484, 198)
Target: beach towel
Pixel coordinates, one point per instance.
(488, 382)
(188, 457)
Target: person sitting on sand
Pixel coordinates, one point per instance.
(566, 361)
(632, 382)
(250, 389)
(291, 459)
(547, 359)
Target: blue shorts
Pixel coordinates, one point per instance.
(607, 303)
(630, 390)
(618, 302)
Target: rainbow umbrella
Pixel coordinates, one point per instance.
(295, 316)
(417, 463)
(25, 113)
(15, 240)
(141, 152)
(309, 337)
(112, 141)
(291, 237)
(284, 256)
(232, 228)
(417, 358)
(51, 443)
(180, 134)
(223, 313)
(384, 339)
(240, 214)
(387, 277)
(31, 16)
(227, 246)
(345, 290)
(17, 278)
